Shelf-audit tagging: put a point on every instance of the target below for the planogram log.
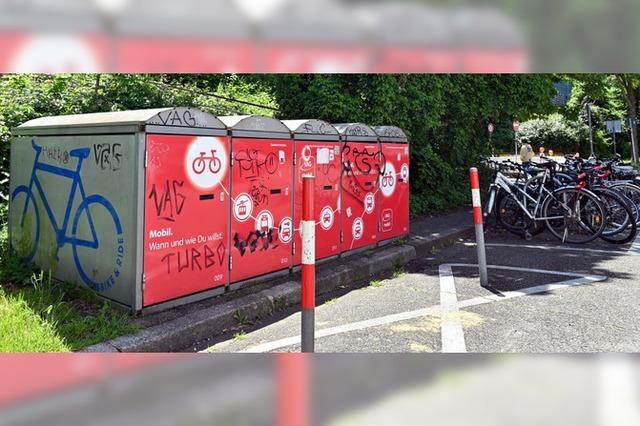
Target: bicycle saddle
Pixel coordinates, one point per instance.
(81, 153)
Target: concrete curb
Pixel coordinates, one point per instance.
(180, 332)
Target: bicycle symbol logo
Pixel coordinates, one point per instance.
(199, 164)
(206, 162)
(388, 180)
(25, 219)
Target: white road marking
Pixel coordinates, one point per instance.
(551, 248)
(451, 328)
(579, 279)
(635, 247)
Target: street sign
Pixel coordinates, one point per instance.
(516, 126)
(614, 126)
(491, 128)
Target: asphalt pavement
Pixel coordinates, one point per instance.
(543, 297)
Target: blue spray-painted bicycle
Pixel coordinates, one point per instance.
(28, 217)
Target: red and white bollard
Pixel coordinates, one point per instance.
(293, 384)
(308, 296)
(478, 222)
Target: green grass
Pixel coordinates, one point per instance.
(375, 283)
(399, 273)
(38, 314)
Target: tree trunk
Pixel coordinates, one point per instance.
(632, 107)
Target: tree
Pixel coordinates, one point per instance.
(629, 84)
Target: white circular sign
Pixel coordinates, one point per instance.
(404, 173)
(206, 162)
(264, 221)
(357, 228)
(286, 230)
(326, 218)
(55, 53)
(369, 203)
(243, 207)
(388, 180)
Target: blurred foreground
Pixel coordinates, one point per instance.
(261, 36)
(94, 389)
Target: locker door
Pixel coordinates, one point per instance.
(262, 224)
(186, 216)
(360, 178)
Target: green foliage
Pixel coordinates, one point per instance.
(557, 133)
(445, 117)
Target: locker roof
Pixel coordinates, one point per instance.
(325, 21)
(248, 125)
(391, 134)
(167, 117)
(311, 127)
(356, 131)
(209, 20)
(406, 23)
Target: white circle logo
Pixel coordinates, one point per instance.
(264, 221)
(55, 53)
(326, 218)
(357, 228)
(206, 162)
(243, 207)
(388, 180)
(404, 173)
(286, 230)
(369, 202)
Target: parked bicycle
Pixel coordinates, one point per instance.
(572, 214)
(520, 211)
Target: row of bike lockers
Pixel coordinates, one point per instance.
(153, 208)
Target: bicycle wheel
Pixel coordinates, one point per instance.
(574, 215)
(632, 192)
(513, 219)
(620, 225)
(98, 244)
(24, 223)
(198, 165)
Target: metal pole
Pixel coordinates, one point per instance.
(634, 142)
(478, 221)
(615, 152)
(308, 296)
(590, 128)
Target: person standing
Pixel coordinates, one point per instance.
(526, 151)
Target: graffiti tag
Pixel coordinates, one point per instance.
(255, 241)
(108, 156)
(194, 258)
(253, 163)
(170, 202)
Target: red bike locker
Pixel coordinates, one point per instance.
(361, 164)
(394, 183)
(317, 152)
(261, 196)
(186, 176)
